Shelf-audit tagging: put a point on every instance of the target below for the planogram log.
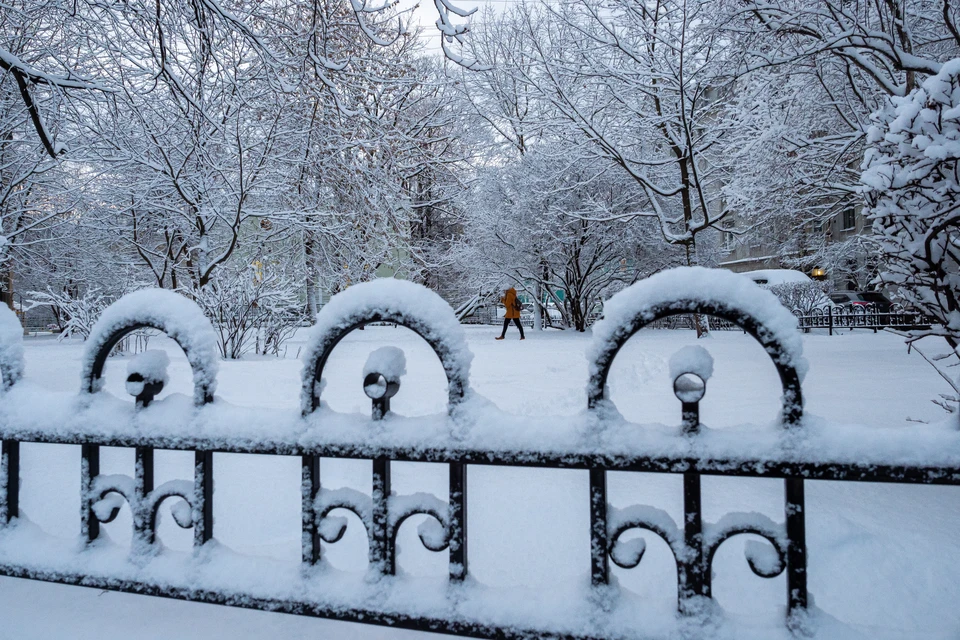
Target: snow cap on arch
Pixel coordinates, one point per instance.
(714, 286)
(391, 299)
(174, 314)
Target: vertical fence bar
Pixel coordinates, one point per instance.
(143, 485)
(382, 547)
(89, 470)
(458, 521)
(309, 488)
(10, 477)
(830, 311)
(690, 418)
(599, 560)
(694, 580)
(203, 497)
(797, 549)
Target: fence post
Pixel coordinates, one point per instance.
(830, 310)
(600, 562)
(693, 575)
(797, 549)
(309, 488)
(382, 551)
(89, 470)
(143, 485)
(203, 497)
(10, 508)
(458, 521)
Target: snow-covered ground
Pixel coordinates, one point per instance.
(883, 558)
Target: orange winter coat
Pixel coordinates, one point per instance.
(508, 301)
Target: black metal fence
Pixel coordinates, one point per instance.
(860, 317)
(692, 543)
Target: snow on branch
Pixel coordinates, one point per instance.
(911, 178)
(451, 32)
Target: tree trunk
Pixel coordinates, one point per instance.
(311, 276)
(537, 310)
(8, 289)
(700, 321)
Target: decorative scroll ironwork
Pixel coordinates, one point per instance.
(694, 562)
(383, 525)
(140, 494)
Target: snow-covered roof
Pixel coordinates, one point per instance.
(777, 276)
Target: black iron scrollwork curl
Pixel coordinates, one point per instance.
(110, 491)
(182, 511)
(403, 507)
(332, 528)
(753, 524)
(645, 518)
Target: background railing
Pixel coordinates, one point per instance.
(860, 317)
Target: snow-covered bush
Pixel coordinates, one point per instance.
(800, 297)
(75, 312)
(11, 347)
(913, 187)
(912, 184)
(250, 311)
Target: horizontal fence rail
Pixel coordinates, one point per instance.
(692, 541)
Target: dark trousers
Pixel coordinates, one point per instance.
(506, 323)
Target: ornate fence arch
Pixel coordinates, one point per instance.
(733, 299)
(102, 496)
(424, 312)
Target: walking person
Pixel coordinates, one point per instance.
(513, 306)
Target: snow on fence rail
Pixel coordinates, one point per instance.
(471, 433)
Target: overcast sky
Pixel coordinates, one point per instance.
(426, 15)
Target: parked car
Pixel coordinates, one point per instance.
(850, 299)
(774, 277)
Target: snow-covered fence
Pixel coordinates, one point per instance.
(102, 496)
(470, 433)
(861, 317)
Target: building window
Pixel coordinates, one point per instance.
(849, 219)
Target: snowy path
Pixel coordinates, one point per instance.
(882, 557)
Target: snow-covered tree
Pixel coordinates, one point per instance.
(912, 181)
(552, 224)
